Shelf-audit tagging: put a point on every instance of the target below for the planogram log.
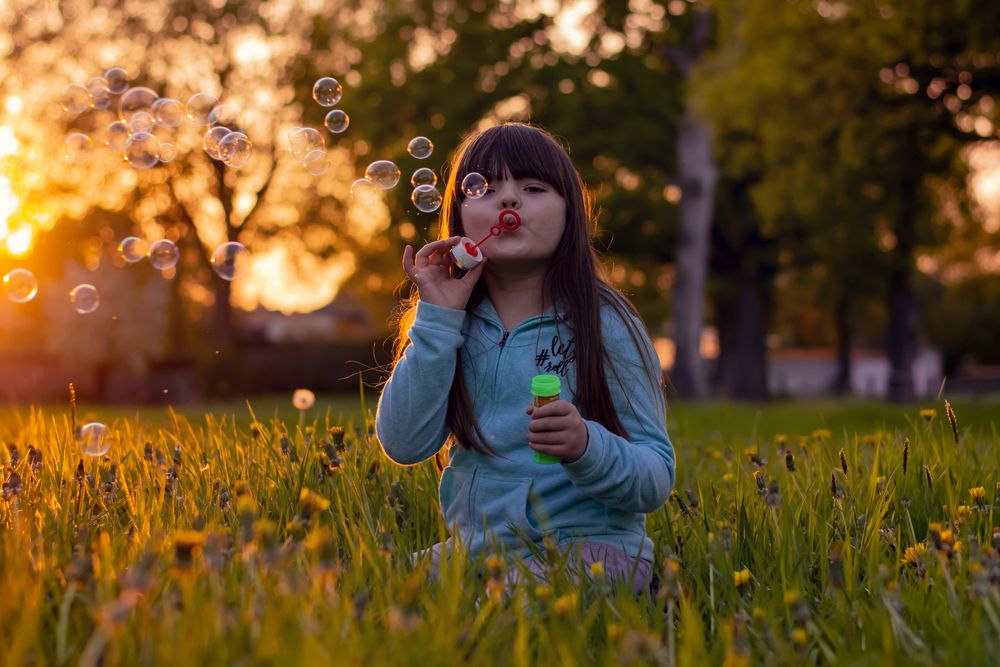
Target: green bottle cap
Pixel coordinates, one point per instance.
(545, 385)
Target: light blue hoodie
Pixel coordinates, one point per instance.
(601, 497)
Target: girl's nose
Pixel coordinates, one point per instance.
(509, 200)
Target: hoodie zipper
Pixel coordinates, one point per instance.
(503, 341)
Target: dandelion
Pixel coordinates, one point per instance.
(311, 503)
(913, 556)
(597, 569)
(906, 453)
(741, 578)
(821, 435)
(789, 461)
(791, 597)
(952, 420)
(781, 440)
(978, 495)
(303, 399)
(843, 460)
(543, 592)
(670, 582)
(760, 477)
(12, 487)
(565, 604)
(928, 415)
(185, 544)
(757, 461)
(799, 637)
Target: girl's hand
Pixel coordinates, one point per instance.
(429, 271)
(557, 428)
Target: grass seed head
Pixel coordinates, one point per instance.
(952, 420)
(906, 453)
(843, 460)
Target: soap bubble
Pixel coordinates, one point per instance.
(142, 150)
(474, 185)
(117, 79)
(224, 114)
(167, 152)
(132, 249)
(135, 100)
(75, 99)
(426, 198)
(420, 147)
(85, 298)
(305, 140)
(423, 176)
(365, 191)
(21, 285)
(316, 163)
(76, 148)
(168, 112)
(94, 439)
(337, 121)
(163, 254)
(231, 260)
(141, 121)
(117, 136)
(235, 149)
(199, 108)
(213, 138)
(100, 96)
(327, 91)
(383, 173)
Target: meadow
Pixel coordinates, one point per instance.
(253, 534)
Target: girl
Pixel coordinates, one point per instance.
(467, 349)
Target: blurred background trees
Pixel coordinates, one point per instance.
(803, 173)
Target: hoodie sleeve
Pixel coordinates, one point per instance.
(411, 419)
(633, 474)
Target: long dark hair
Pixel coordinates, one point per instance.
(576, 283)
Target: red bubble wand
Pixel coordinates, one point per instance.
(507, 221)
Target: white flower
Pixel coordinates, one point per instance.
(303, 399)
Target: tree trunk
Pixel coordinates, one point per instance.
(698, 177)
(845, 341)
(901, 338)
(742, 372)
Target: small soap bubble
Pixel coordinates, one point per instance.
(337, 121)
(423, 176)
(94, 439)
(224, 114)
(116, 136)
(141, 121)
(426, 198)
(213, 139)
(316, 163)
(383, 173)
(20, 285)
(305, 140)
(235, 149)
(420, 147)
(75, 99)
(135, 100)
(142, 150)
(163, 254)
(85, 299)
(474, 185)
(231, 260)
(132, 249)
(117, 79)
(365, 191)
(327, 91)
(167, 152)
(100, 96)
(77, 147)
(199, 108)
(168, 112)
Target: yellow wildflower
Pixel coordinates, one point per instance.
(822, 434)
(791, 596)
(565, 604)
(978, 495)
(914, 555)
(494, 564)
(734, 659)
(597, 569)
(741, 578)
(758, 614)
(799, 637)
(543, 592)
(928, 414)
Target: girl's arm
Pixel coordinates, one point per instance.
(411, 419)
(634, 474)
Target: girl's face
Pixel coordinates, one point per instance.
(543, 220)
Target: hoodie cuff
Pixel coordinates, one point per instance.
(590, 466)
(439, 318)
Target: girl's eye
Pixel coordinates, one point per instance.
(535, 188)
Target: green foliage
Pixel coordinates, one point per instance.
(858, 533)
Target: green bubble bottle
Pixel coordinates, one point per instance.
(545, 389)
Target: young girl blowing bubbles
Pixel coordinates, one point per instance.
(469, 345)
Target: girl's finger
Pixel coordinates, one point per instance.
(408, 261)
(436, 246)
(473, 274)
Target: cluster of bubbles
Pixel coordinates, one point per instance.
(230, 261)
(307, 144)
(140, 132)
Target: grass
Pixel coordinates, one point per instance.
(224, 534)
